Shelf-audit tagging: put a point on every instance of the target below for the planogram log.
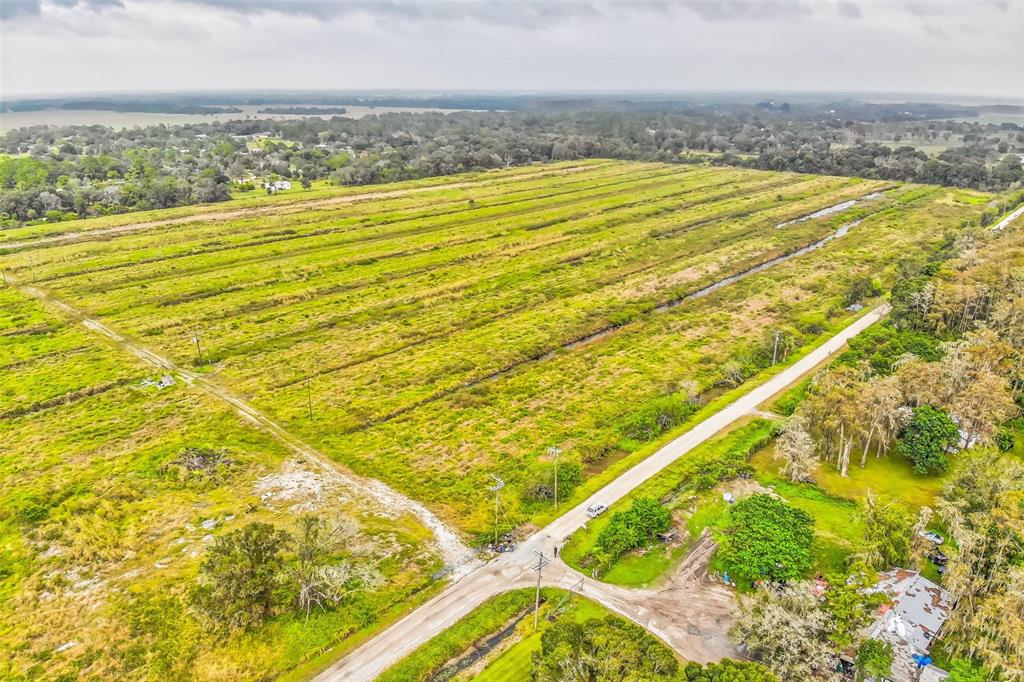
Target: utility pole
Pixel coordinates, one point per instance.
(553, 453)
(199, 349)
(775, 345)
(539, 567)
(496, 489)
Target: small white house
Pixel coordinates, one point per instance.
(278, 185)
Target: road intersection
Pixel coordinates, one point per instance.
(513, 570)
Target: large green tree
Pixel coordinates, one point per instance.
(766, 538)
(888, 531)
(927, 438)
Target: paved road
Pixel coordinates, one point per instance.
(513, 570)
(1008, 219)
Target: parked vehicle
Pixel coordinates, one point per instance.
(938, 558)
(932, 536)
(596, 509)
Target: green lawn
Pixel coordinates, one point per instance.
(890, 476)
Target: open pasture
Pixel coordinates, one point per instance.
(456, 331)
(103, 522)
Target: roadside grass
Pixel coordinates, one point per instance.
(506, 661)
(631, 453)
(790, 399)
(486, 619)
(516, 662)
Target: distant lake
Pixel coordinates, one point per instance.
(990, 117)
(127, 119)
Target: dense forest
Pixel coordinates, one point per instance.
(59, 173)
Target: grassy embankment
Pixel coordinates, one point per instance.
(512, 658)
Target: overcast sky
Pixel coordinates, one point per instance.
(929, 46)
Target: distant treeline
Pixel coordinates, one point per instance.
(304, 111)
(799, 106)
(143, 106)
(58, 173)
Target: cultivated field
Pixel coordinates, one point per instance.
(433, 330)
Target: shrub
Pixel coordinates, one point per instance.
(540, 486)
(963, 670)
(881, 345)
(632, 528)
(728, 670)
(1005, 440)
(766, 538)
(859, 289)
(657, 417)
(596, 449)
(602, 649)
(874, 659)
(240, 576)
(197, 464)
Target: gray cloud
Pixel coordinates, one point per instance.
(498, 12)
(517, 13)
(850, 9)
(956, 46)
(12, 9)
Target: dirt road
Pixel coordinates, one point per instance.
(512, 570)
(457, 556)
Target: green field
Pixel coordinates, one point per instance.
(101, 535)
(430, 327)
(434, 328)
